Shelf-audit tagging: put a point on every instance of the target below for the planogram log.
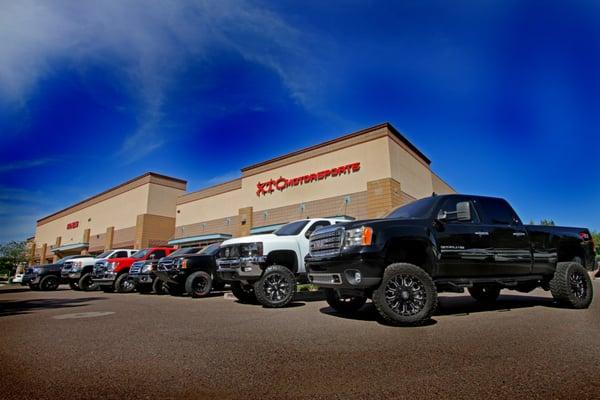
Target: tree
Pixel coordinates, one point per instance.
(547, 222)
(596, 237)
(12, 254)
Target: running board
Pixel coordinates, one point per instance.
(509, 282)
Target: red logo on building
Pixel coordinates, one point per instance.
(73, 225)
(283, 183)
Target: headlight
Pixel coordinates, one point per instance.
(362, 236)
(37, 270)
(251, 249)
(147, 268)
(113, 265)
(77, 266)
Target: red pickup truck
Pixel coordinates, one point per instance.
(113, 274)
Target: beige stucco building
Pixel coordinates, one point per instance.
(135, 214)
(362, 175)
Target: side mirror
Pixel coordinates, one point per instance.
(463, 211)
(152, 256)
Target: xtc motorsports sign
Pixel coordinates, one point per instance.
(262, 188)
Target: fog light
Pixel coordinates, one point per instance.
(357, 277)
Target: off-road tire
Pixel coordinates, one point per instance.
(73, 285)
(345, 304)
(419, 291)
(159, 287)
(571, 285)
(244, 293)
(276, 287)
(484, 293)
(121, 284)
(49, 282)
(86, 284)
(199, 284)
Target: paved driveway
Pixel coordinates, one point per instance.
(68, 344)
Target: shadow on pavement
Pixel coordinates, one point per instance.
(19, 307)
(15, 289)
(454, 306)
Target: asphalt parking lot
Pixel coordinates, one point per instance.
(97, 345)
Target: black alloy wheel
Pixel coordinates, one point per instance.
(199, 284)
(49, 282)
(406, 295)
(276, 288)
(124, 284)
(86, 284)
(572, 285)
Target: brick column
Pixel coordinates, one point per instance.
(110, 235)
(43, 254)
(245, 221)
(32, 254)
(85, 239)
(153, 230)
(382, 196)
(56, 244)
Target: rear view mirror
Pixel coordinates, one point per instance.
(463, 211)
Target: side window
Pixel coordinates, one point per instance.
(498, 212)
(315, 226)
(120, 254)
(159, 254)
(449, 206)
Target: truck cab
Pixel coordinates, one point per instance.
(113, 274)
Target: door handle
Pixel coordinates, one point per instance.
(481, 233)
(518, 233)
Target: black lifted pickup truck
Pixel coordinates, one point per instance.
(192, 273)
(447, 243)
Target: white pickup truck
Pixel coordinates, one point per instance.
(266, 267)
(78, 272)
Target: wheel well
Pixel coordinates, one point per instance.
(287, 258)
(568, 253)
(408, 251)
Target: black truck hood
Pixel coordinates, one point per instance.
(374, 223)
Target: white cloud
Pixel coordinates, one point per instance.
(147, 43)
(24, 164)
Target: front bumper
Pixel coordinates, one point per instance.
(341, 272)
(30, 279)
(104, 280)
(175, 277)
(142, 279)
(71, 275)
(240, 269)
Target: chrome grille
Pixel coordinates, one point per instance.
(100, 267)
(166, 265)
(67, 266)
(326, 242)
(136, 267)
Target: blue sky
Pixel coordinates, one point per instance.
(503, 96)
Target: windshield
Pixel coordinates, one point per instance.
(415, 210)
(210, 249)
(104, 255)
(182, 251)
(291, 229)
(141, 253)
